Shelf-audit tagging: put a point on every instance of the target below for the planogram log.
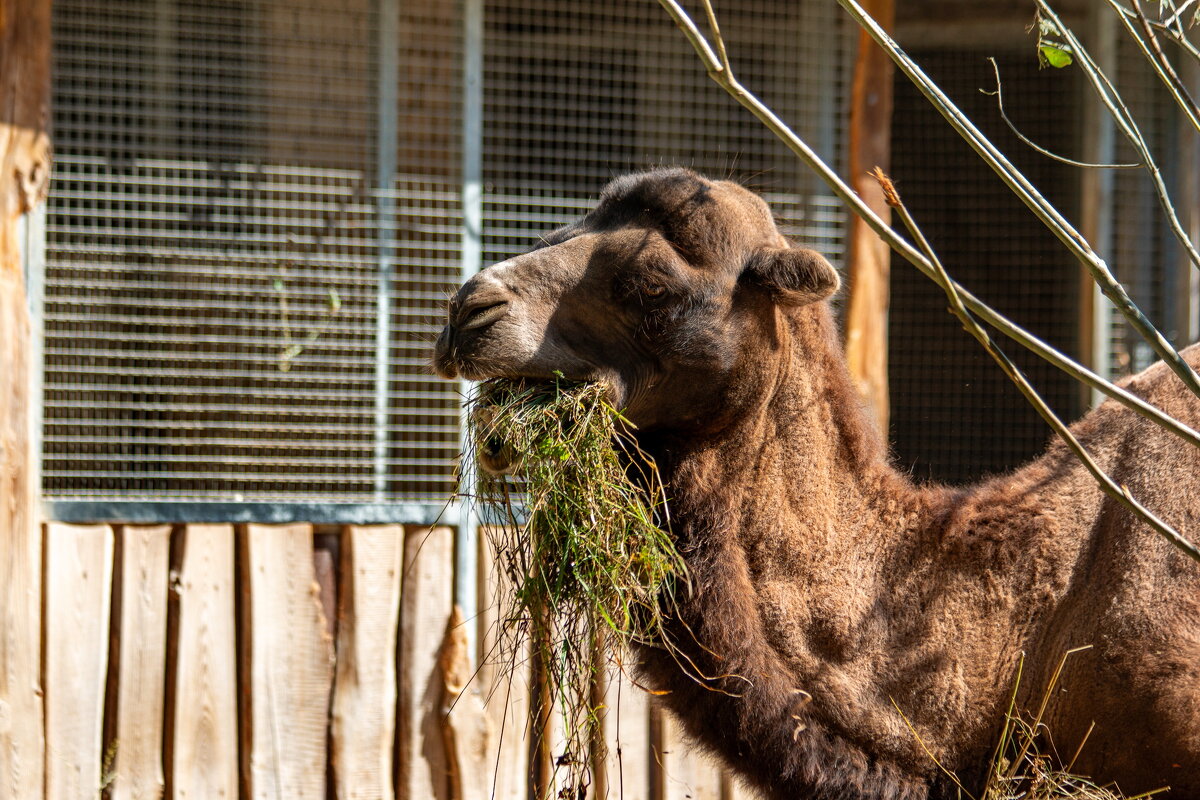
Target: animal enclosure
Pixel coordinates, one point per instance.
(258, 210)
(257, 213)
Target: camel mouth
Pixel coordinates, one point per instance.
(495, 454)
(503, 409)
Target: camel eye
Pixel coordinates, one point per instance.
(654, 290)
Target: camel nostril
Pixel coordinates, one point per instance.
(482, 315)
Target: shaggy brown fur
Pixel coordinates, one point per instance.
(828, 590)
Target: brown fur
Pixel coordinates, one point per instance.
(829, 590)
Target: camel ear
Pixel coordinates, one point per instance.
(795, 276)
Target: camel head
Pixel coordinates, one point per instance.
(662, 292)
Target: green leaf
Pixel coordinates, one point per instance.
(278, 285)
(335, 300)
(1051, 55)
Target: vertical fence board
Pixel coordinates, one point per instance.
(466, 727)
(22, 752)
(289, 659)
(426, 597)
(626, 738)
(78, 564)
(24, 178)
(364, 692)
(137, 663)
(687, 774)
(504, 678)
(734, 789)
(202, 728)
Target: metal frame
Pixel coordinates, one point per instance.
(466, 542)
(385, 176)
(163, 511)
(1096, 196)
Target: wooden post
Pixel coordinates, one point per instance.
(869, 258)
(24, 172)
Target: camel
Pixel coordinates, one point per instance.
(853, 626)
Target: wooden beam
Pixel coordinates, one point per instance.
(364, 690)
(626, 720)
(24, 177)
(869, 258)
(79, 560)
(202, 723)
(137, 662)
(422, 770)
(504, 677)
(686, 773)
(466, 729)
(289, 665)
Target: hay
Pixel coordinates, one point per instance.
(594, 566)
(1025, 764)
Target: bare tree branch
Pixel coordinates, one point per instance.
(1126, 123)
(1028, 193)
(1118, 493)
(999, 95)
(928, 265)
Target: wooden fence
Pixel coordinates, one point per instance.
(283, 661)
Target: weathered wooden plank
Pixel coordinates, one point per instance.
(626, 717)
(21, 713)
(425, 604)
(466, 728)
(138, 662)
(364, 691)
(202, 725)
(289, 665)
(24, 115)
(504, 679)
(733, 788)
(78, 578)
(869, 259)
(24, 177)
(686, 774)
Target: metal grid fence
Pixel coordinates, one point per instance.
(955, 416)
(258, 211)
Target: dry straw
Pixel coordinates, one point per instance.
(586, 546)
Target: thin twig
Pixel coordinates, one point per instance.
(798, 146)
(855, 203)
(1107, 484)
(1126, 123)
(1175, 34)
(717, 37)
(1147, 42)
(1028, 193)
(999, 95)
(1176, 13)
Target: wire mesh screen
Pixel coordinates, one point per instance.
(955, 416)
(577, 93)
(216, 237)
(235, 182)
(1145, 255)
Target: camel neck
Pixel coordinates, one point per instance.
(789, 519)
(801, 448)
